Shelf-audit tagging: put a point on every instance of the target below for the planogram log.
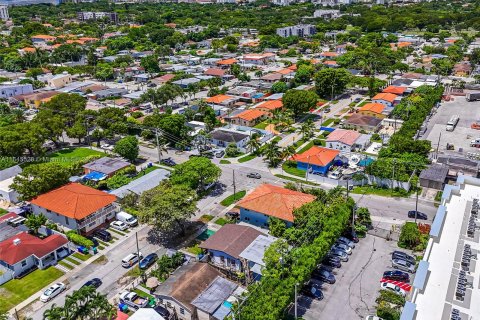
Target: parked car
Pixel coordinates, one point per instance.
(346, 241)
(132, 300)
(162, 311)
(420, 215)
(352, 235)
(396, 275)
(148, 261)
(53, 291)
(356, 100)
(312, 290)
(342, 255)
(326, 110)
(119, 225)
(343, 247)
(131, 259)
(95, 241)
(403, 265)
(168, 162)
(404, 256)
(254, 175)
(95, 282)
(220, 154)
(392, 287)
(332, 261)
(323, 275)
(127, 218)
(107, 146)
(103, 235)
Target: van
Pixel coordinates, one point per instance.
(131, 259)
(127, 218)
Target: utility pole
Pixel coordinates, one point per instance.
(138, 252)
(296, 284)
(416, 202)
(438, 144)
(234, 186)
(158, 146)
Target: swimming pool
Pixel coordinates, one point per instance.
(205, 234)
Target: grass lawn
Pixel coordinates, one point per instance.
(3, 212)
(143, 294)
(116, 231)
(276, 139)
(281, 176)
(100, 260)
(69, 259)
(307, 146)
(67, 156)
(246, 158)
(290, 167)
(206, 217)
(327, 122)
(363, 103)
(384, 192)
(17, 290)
(100, 247)
(147, 170)
(66, 265)
(262, 125)
(133, 272)
(224, 161)
(83, 257)
(102, 243)
(233, 198)
(194, 249)
(222, 221)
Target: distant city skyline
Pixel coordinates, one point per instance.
(27, 2)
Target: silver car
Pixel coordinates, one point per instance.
(403, 265)
(344, 247)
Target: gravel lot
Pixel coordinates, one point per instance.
(357, 284)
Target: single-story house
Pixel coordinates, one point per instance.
(23, 252)
(182, 287)
(214, 72)
(361, 122)
(272, 77)
(376, 110)
(34, 100)
(142, 184)
(316, 160)
(253, 256)
(222, 99)
(398, 90)
(76, 207)
(434, 176)
(163, 79)
(248, 118)
(386, 99)
(267, 201)
(270, 106)
(224, 137)
(106, 165)
(225, 245)
(6, 180)
(343, 140)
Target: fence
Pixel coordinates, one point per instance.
(369, 180)
(5, 275)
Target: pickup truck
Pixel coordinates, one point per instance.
(132, 300)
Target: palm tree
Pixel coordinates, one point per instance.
(253, 144)
(288, 152)
(272, 153)
(306, 129)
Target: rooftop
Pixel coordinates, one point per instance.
(256, 250)
(344, 136)
(74, 200)
(107, 165)
(373, 107)
(212, 297)
(219, 98)
(142, 184)
(231, 239)
(390, 97)
(228, 135)
(395, 90)
(360, 120)
(249, 115)
(317, 156)
(275, 201)
(270, 104)
(435, 284)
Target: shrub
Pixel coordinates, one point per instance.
(386, 312)
(391, 297)
(79, 240)
(409, 236)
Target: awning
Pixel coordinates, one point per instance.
(438, 222)
(421, 275)
(408, 311)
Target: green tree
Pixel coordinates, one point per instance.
(276, 227)
(34, 222)
(104, 71)
(40, 178)
(279, 87)
(232, 150)
(330, 82)
(150, 63)
(167, 206)
(299, 101)
(272, 153)
(410, 235)
(306, 129)
(77, 131)
(127, 148)
(196, 173)
(253, 144)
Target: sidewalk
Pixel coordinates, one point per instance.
(72, 272)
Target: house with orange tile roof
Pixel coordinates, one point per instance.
(222, 99)
(330, 64)
(249, 117)
(373, 110)
(316, 160)
(42, 38)
(214, 72)
(268, 201)
(76, 207)
(395, 90)
(258, 59)
(386, 99)
(328, 55)
(270, 106)
(26, 50)
(227, 63)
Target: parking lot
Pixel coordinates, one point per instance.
(469, 112)
(357, 284)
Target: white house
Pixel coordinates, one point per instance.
(6, 180)
(223, 137)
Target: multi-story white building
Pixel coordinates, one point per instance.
(10, 90)
(89, 15)
(283, 2)
(300, 30)
(4, 13)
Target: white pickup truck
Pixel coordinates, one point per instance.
(132, 300)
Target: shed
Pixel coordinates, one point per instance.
(434, 176)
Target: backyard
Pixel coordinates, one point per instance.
(17, 290)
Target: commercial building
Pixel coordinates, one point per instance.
(4, 13)
(447, 277)
(28, 2)
(299, 30)
(88, 15)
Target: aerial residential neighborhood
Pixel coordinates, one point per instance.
(254, 160)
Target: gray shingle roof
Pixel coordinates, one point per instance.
(107, 165)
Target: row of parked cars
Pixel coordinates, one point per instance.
(398, 280)
(324, 272)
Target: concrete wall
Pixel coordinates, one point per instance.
(256, 218)
(55, 217)
(337, 145)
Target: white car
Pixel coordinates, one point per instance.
(392, 287)
(107, 146)
(131, 259)
(373, 318)
(52, 292)
(119, 225)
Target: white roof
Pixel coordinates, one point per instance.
(146, 314)
(256, 250)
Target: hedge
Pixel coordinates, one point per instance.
(79, 240)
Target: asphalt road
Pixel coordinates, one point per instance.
(111, 273)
